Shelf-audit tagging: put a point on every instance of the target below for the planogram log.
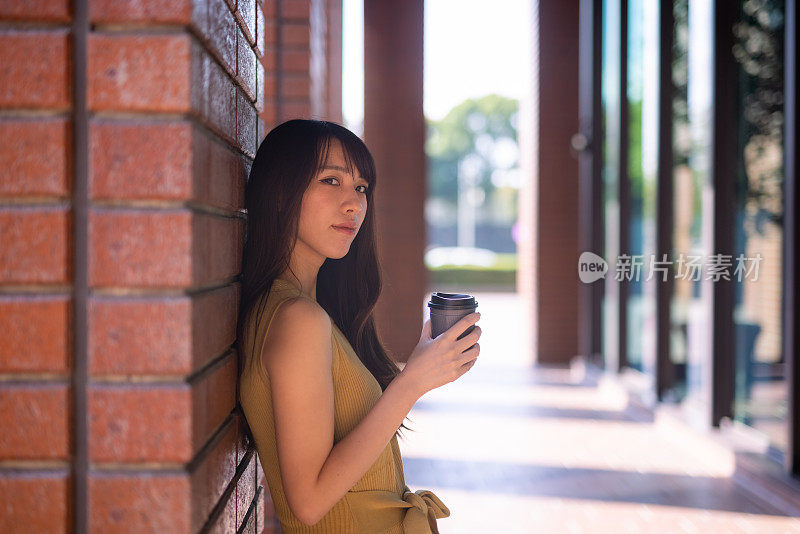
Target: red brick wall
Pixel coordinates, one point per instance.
(173, 92)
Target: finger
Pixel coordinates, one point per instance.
(462, 324)
(469, 340)
(466, 367)
(469, 354)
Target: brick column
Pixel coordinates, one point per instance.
(394, 130)
(302, 60)
(35, 358)
(149, 439)
(548, 248)
(334, 59)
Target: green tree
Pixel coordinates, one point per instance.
(482, 129)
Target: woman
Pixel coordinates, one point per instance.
(322, 398)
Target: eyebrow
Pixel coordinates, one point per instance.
(340, 169)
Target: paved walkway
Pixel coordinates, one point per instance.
(511, 449)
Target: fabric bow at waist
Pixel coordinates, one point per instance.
(378, 511)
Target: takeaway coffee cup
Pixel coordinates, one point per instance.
(447, 308)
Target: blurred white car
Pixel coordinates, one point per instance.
(480, 257)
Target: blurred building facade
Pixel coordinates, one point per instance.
(678, 170)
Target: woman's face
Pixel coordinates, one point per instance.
(333, 198)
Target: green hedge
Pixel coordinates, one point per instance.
(502, 273)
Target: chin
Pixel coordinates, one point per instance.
(339, 255)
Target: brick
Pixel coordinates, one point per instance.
(35, 10)
(160, 11)
(261, 133)
(260, 26)
(246, 14)
(270, 86)
(296, 35)
(213, 399)
(159, 422)
(135, 160)
(296, 110)
(170, 161)
(154, 336)
(34, 156)
(246, 125)
(261, 88)
(212, 476)
(295, 60)
(141, 72)
(165, 248)
(246, 488)
(296, 86)
(35, 245)
(37, 64)
(271, 32)
(35, 422)
(218, 106)
(36, 336)
(270, 8)
(246, 67)
(214, 317)
(226, 520)
(140, 336)
(219, 172)
(221, 34)
(269, 114)
(249, 525)
(140, 248)
(217, 248)
(139, 503)
(140, 423)
(243, 440)
(39, 501)
(295, 9)
(270, 59)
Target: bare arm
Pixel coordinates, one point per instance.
(315, 473)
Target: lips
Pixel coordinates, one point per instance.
(345, 229)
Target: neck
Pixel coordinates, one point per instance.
(303, 273)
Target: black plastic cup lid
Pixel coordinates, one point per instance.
(452, 301)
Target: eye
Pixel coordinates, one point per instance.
(326, 180)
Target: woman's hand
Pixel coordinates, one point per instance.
(436, 362)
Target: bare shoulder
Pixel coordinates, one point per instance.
(299, 333)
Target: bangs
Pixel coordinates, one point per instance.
(356, 154)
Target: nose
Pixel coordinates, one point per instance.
(354, 202)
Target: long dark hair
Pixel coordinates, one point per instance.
(347, 288)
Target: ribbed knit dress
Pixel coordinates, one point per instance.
(380, 502)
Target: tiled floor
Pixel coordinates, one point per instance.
(510, 449)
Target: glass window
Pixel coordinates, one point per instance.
(642, 93)
(760, 394)
(692, 306)
(611, 107)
